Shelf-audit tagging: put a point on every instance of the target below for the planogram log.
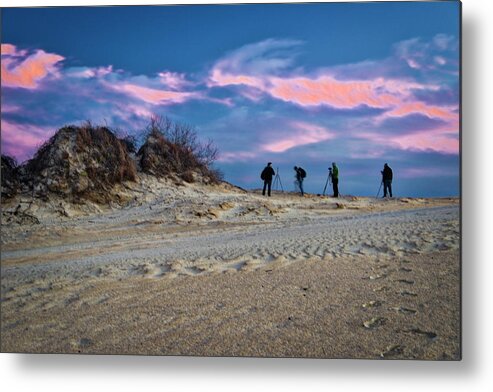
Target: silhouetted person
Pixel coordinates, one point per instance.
(335, 179)
(387, 180)
(267, 175)
(300, 176)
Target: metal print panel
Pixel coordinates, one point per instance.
(268, 180)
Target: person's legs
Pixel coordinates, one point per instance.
(335, 187)
(265, 185)
(390, 188)
(301, 187)
(385, 185)
(269, 185)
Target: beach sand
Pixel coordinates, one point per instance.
(223, 272)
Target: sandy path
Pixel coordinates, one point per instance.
(391, 233)
(312, 281)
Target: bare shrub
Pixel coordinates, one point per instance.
(174, 148)
(130, 143)
(188, 177)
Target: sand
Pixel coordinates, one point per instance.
(217, 271)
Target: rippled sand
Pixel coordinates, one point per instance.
(230, 273)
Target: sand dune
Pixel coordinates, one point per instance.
(202, 271)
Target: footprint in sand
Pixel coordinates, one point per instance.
(375, 277)
(405, 269)
(408, 293)
(374, 322)
(372, 304)
(406, 281)
(381, 289)
(404, 310)
(432, 336)
(392, 350)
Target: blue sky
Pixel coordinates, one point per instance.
(296, 84)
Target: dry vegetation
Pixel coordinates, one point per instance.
(173, 149)
(86, 162)
(10, 181)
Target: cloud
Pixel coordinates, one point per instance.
(22, 140)
(445, 113)
(442, 142)
(237, 156)
(20, 70)
(155, 96)
(301, 134)
(263, 67)
(422, 55)
(328, 91)
(257, 103)
(266, 57)
(11, 50)
(174, 80)
(86, 72)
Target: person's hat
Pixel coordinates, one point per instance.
(269, 163)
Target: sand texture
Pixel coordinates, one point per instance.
(216, 271)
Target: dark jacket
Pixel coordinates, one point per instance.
(387, 173)
(267, 173)
(300, 174)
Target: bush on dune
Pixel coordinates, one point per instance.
(174, 149)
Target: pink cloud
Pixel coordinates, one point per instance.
(419, 107)
(30, 71)
(173, 80)
(329, 91)
(422, 141)
(303, 134)
(154, 96)
(22, 140)
(221, 79)
(442, 140)
(8, 49)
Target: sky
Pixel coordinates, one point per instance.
(359, 84)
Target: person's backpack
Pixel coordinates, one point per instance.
(302, 172)
(262, 176)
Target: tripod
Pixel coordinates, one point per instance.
(277, 181)
(381, 183)
(329, 177)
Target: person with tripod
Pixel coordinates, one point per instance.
(267, 175)
(335, 179)
(387, 180)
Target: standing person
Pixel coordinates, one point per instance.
(387, 180)
(335, 179)
(267, 175)
(300, 176)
